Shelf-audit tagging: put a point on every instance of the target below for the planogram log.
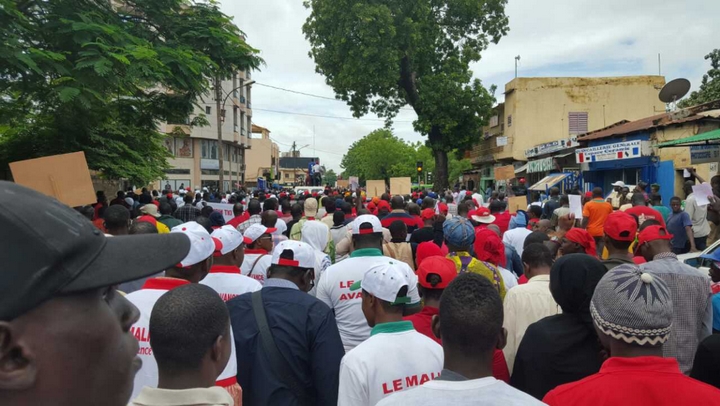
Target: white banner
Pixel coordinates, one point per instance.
(225, 209)
(609, 152)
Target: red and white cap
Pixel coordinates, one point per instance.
(384, 281)
(229, 238)
(255, 231)
(357, 224)
(294, 253)
(202, 245)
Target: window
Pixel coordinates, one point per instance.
(510, 120)
(208, 110)
(209, 149)
(287, 175)
(494, 121)
(578, 122)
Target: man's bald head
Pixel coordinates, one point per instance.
(397, 203)
(269, 218)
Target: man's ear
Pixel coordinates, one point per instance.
(18, 370)
(502, 339)
(435, 326)
(216, 351)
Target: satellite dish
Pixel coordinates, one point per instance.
(674, 90)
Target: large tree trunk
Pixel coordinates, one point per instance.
(441, 160)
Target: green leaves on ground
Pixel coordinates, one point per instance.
(99, 76)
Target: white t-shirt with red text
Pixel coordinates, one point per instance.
(333, 289)
(145, 299)
(393, 359)
(228, 282)
(259, 272)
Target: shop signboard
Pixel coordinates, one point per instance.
(541, 165)
(703, 154)
(609, 152)
(210, 164)
(552, 146)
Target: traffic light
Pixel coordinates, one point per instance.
(430, 178)
(419, 166)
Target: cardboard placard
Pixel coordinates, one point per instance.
(343, 183)
(375, 188)
(516, 203)
(505, 172)
(354, 183)
(65, 177)
(400, 186)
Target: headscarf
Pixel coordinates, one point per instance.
(425, 250)
(582, 237)
(315, 233)
(489, 247)
(572, 282)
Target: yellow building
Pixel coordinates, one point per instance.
(541, 117)
(263, 160)
(195, 162)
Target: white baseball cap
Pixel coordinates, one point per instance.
(229, 238)
(384, 280)
(202, 245)
(255, 231)
(301, 254)
(366, 218)
(619, 183)
(150, 209)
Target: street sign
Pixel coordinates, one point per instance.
(702, 154)
(609, 152)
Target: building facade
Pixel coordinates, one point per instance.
(195, 158)
(536, 127)
(294, 169)
(264, 159)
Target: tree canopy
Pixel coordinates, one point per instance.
(330, 177)
(99, 76)
(382, 155)
(710, 85)
(381, 55)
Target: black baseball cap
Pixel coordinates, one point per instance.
(49, 249)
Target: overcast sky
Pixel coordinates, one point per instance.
(558, 38)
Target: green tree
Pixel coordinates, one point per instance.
(98, 76)
(380, 55)
(710, 85)
(330, 177)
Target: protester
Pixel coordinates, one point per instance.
(469, 322)
(633, 313)
(301, 363)
(577, 241)
(459, 237)
(334, 286)
(698, 216)
(516, 236)
(239, 215)
(706, 367)
(690, 292)
(254, 210)
(166, 217)
(379, 365)
(310, 214)
(680, 226)
(553, 203)
(656, 204)
(190, 339)
(595, 213)
(188, 211)
(530, 302)
(398, 213)
(269, 219)
(491, 252)
(615, 196)
(297, 212)
(483, 217)
(117, 220)
(562, 348)
(512, 259)
(561, 211)
(642, 212)
(502, 217)
(620, 231)
(66, 331)
(224, 275)
(192, 269)
(428, 249)
(257, 255)
(427, 232)
(714, 259)
(398, 247)
(314, 234)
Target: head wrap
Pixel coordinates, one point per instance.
(217, 219)
(632, 306)
(582, 237)
(489, 247)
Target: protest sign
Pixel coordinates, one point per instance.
(354, 183)
(375, 188)
(516, 203)
(65, 177)
(505, 172)
(400, 186)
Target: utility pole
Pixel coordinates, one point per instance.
(294, 156)
(218, 114)
(517, 59)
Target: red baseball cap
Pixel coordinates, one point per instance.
(652, 233)
(427, 214)
(621, 226)
(383, 204)
(436, 265)
(443, 208)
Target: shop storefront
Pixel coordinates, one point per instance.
(553, 164)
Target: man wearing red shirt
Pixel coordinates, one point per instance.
(632, 312)
(502, 217)
(240, 214)
(642, 212)
(434, 275)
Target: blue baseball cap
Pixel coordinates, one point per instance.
(713, 256)
(459, 232)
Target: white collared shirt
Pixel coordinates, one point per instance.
(523, 306)
(214, 396)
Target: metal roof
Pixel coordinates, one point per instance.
(704, 137)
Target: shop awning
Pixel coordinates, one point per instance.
(522, 169)
(549, 181)
(700, 139)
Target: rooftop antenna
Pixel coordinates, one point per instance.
(517, 59)
(674, 91)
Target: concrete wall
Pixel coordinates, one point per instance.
(539, 107)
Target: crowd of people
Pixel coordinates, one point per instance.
(338, 298)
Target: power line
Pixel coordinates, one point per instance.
(323, 116)
(311, 95)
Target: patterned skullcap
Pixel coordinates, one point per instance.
(632, 306)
